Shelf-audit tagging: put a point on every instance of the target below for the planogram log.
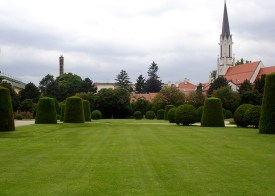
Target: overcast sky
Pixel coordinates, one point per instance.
(99, 38)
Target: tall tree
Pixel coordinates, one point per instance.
(152, 71)
(123, 81)
(30, 92)
(48, 86)
(140, 85)
(242, 61)
(88, 86)
(153, 84)
(216, 84)
(259, 84)
(248, 94)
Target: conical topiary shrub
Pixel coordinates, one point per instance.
(267, 120)
(167, 108)
(46, 111)
(212, 115)
(6, 113)
(87, 110)
(74, 112)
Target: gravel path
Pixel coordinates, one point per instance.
(19, 123)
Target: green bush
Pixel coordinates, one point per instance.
(185, 114)
(74, 112)
(252, 116)
(6, 113)
(150, 115)
(46, 111)
(96, 115)
(199, 112)
(167, 108)
(160, 114)
(138, 115)
(62, 111)
(171, 115)
(87, 110)
(18, 116)
(227, 114)
(239, 115)
(267, 120)
(212, 115)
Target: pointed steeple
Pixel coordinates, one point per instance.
(225, 24)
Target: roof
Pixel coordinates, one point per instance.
(186, 86)
(148, 97)
(266, 71)
(238, 74)
(225, 24)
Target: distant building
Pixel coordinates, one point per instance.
(15, 83)
(104, 85)
(61, 65)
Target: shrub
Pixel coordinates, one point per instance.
(212, 115)
(62, 111)
(46, 111)
(27, 115)
(150, 115)
(199, 112)
(74, 112)
(171, 115)
(239, 115)
(167, 108)
(227, 114)
(18, 116)
(252, 116)
(267, 120)
(185, 114)
(96, 115)
(160, 114)
(6, 112)
(87, 110)
(138, 115)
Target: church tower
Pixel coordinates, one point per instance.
(226, 58)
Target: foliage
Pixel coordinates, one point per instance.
(242, 61)
(212, 115)
(88, 86)
(141, 105)
(30, 92)
(74, 112)
(153, 85)
(27, 105)
(140, 85)
(6, 112)
(15, 98)
(160, 114)
(213, 75)
(239, 115)
(46, 111)
(199, 113)
(245, 86)
(18, 116)
(96, 115)
(167, 108)
(150, 115)
(216, 84)
(267, 120)
(62, 111)
(137, 115)
(259, 84)
(48, 86)
(87, 110)
(195, 98)
(185, 114)
(249, 94)
(123, 81)
(227, 114)
(252, 116)
(152, 71)
(171, 115)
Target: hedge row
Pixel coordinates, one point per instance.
(46, 111)
(6, 112)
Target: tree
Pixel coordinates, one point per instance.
(199, 88)
(140, 85)
(217, 83)
(259, 84)
(88, 86)
(48, 86)
(152, 71)
(141, 105)
(242, 61)
(123, 81)
(248, 94)
(153, 84)
(30, 92)
(196, 99)
(213, 75)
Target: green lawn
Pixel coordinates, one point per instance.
(128, 157)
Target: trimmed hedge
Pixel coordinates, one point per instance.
(96, 115)
(167, 108)
(150, 115)
(62, 111)
(160, 114)
(171, 115)
(87, 110)
(267, 120)
(199, 112)
(212, 115)
(74, 112)
(138, 115)
(6, 112)
(46, 111)
(227, 114)
(185, 114)
(252, 116)
(239, 115)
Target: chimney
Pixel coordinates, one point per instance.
(61, 65)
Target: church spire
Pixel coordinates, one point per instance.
(225, 24)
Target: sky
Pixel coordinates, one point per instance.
(99, 38)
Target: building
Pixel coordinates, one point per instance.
(61, 65)
(16, 84)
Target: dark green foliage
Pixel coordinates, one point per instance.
(140, 85)
(138, 115)
(150, 115)
(18, 117)
(212, 115)
(62, 111)
(199, 112)
(227, 114)
(152, 85)
(171, 115)
(6, 112)
(167, 108)
(185, 114)
(30, 92)
(252, 116)
(160, 114)
(239, 115)
(141, 105)
(15, 98)
(216, 84)
(74, 112)
(88, 86)
(267, 120)
(196, 98)
(46, 111)
(96, 115)
(87, 110)
(123, 81)
(27, 105)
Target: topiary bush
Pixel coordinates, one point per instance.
(150, 115)
(185, 114)
(96, 115)
(171, 115)
(212, 115)
(74, 112)
(18, 116)
(267, 120)
(62, 110)
(160, 114)
(239, 115)
(138, 115)
(46, 111)
(199, 112)
(252, 116)
(167, 108)
(6, 113)
(87, 110)
(227, 114)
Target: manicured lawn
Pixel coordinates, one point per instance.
(126, 157)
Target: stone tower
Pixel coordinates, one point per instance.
(226, 58)
(61, 65)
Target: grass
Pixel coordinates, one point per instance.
(128, 157)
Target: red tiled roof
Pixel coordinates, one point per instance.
(240, 73)
(148, 96)
(186, 86)
(266, 71)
